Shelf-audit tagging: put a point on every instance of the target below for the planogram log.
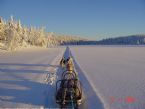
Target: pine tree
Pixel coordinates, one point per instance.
(2, 30)
(14, 35)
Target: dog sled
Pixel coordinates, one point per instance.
(69, 90)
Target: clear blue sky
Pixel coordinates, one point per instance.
(91, 18)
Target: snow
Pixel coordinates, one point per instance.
(22, 75)
(14, 36)
(28, 76)
(116, 72)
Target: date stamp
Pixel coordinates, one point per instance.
(126, 99)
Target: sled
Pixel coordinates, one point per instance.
(69, 74)
(68, 91)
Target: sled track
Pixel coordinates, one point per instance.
(50, 78)
(90, 98)
(88, 90)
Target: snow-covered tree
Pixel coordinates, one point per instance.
(14, 35)
(2, 30)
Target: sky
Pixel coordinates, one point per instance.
(96, 19)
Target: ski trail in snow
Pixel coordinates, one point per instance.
(54, 73)
(92, 98)
(51, 75)
(50, 79)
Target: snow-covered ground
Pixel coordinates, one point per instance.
(112, 77)
(116, 74)
(23, 77)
